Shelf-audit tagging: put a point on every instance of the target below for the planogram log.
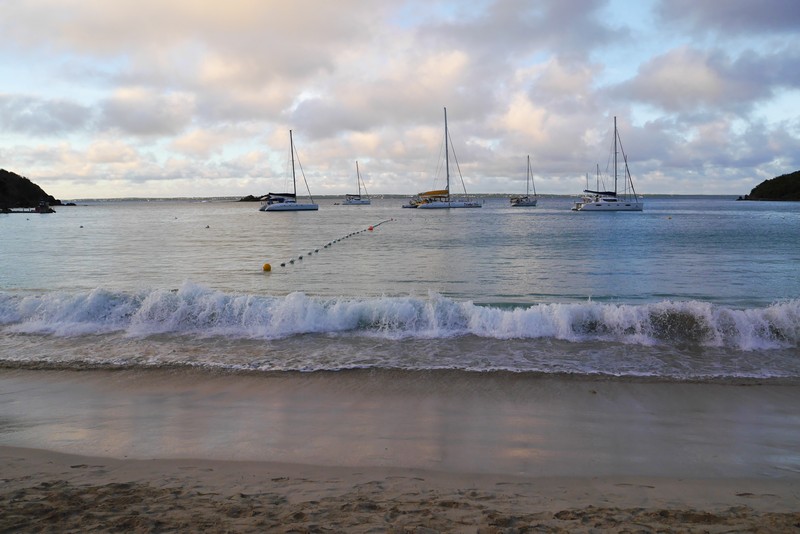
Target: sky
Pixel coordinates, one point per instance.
(194, 98)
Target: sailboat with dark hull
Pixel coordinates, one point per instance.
(527, 200)
(358, 199)
(616, 200)
(288, 201)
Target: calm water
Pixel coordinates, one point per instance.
(692, 288)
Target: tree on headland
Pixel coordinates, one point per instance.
(18, 192)
(784, 187)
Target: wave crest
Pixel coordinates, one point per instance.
(196, 310)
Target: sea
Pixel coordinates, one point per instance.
(692, 289)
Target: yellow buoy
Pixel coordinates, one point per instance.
(267, 267)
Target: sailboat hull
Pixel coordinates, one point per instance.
(289, 206)
(441, 204)
(356, 202)
(523, 202)
(606, 205)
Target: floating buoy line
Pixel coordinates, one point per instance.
(267, 267)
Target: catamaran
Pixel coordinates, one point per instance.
(440, 198)
(526, 200)
(288, 201)
(357, 200)
(625, 200)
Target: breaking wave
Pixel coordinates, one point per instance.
(200, 311)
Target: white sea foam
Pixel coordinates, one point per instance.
(199, 311)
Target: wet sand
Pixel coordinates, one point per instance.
(154, 451)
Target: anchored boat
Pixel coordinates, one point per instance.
(357, 200)
(440, 198)
(288, 201)
(527, 200)
(624, 199)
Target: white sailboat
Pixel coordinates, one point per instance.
(440, 198)
(526, 200)
(357, 200)
(288, 201)
(624, 200)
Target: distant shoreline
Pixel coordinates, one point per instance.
(745, 199)
(390, 196)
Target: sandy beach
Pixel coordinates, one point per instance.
(46, 491)
(155, 451)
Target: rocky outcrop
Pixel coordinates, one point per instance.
(18, 192)
(784, 187)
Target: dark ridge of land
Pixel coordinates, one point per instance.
(784, 187)
(251, 198)
(18, 192)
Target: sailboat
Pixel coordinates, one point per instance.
(288, 201)
(519, 200)
(440, 198)
(625, 200)
(357, 200)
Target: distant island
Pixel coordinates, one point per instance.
(18, 192)
(251, 198)
(784, 187)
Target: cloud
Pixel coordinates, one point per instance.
(200, 143)
(681, 80)
(400, 93)
(141, 111)
(732, 17)
(41, 117)
(687, 80)
(506, 30)
(109, 152)
(240, 43)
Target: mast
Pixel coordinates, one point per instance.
(358, 180)
(615, 155)
(528, 178)
(291, 148)
(446, 151)
(597, 177)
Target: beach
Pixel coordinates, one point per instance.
(176, 450)
(45, 491)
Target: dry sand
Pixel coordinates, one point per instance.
(49, 492)
(360, 452)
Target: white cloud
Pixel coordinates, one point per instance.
(144, 112)
(681, 80)
(41, 117)
(200, 143)
(688, 80)
(111, 152)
